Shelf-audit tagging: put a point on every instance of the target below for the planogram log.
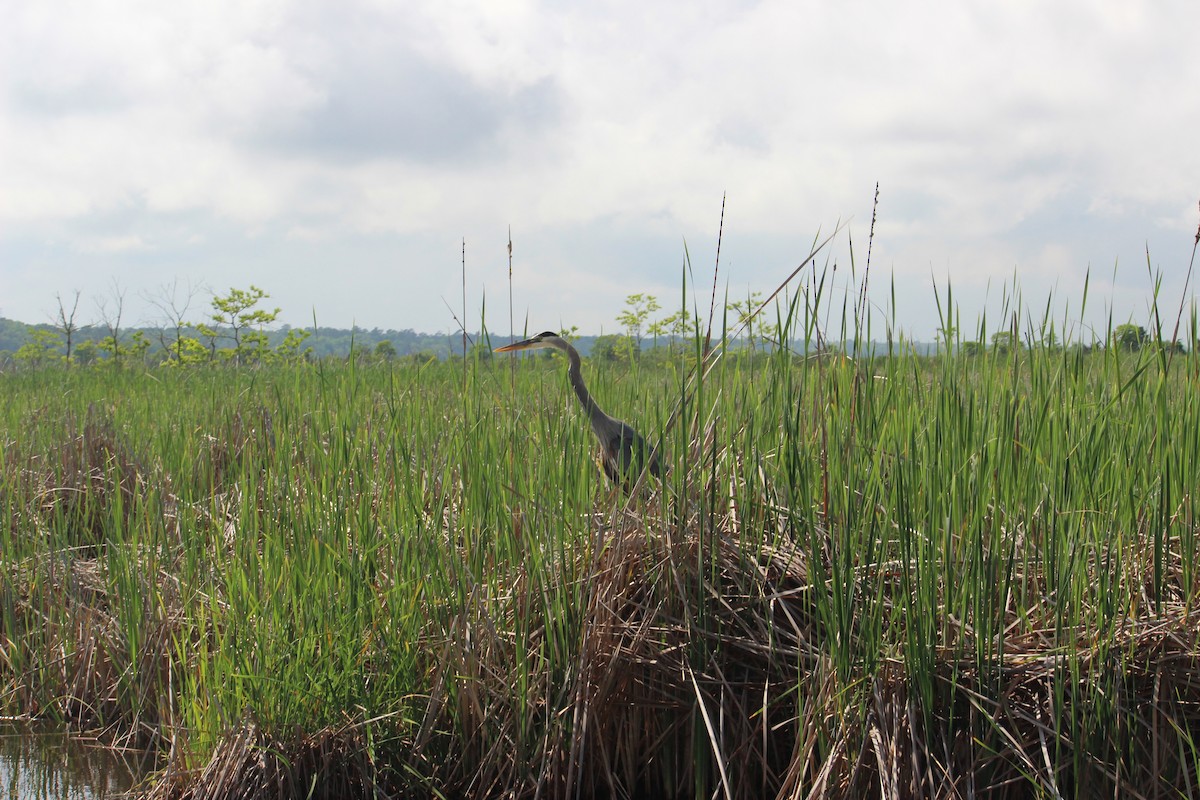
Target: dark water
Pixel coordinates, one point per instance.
(42, 763)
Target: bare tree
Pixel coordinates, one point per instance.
(65, 321)
(111, 309)
(173, 301)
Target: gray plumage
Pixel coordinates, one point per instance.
(624, 451)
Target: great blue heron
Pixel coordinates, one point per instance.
(623, 449)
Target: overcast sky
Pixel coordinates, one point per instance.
(338, 154)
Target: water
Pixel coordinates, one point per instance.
(42, 763)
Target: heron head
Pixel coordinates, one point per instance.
(544, 339)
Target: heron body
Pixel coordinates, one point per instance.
(623, 450)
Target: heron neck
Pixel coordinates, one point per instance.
(585, 398)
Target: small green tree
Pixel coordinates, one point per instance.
(187, 350)
(237, 313)
(742, 312)
(636, 315)
(678, 326)
(112, 349)
(423, 357)
(757, 331)
(138, 347)
(256, 348)
(40, 349)
(1130, 336)
(173, 303)
(385, 350)
(210, 336)
(1003, 341)
(86, 352)
(612, 347)
(289, 349)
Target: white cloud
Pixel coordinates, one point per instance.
(1025, 138)
(116, 244)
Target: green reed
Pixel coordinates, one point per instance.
(419, 552)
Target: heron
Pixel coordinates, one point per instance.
(623, 450)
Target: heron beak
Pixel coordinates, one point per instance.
(524, 344)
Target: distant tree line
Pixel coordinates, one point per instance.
(1128, 337)
(236, 328)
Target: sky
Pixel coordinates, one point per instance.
(345, 156)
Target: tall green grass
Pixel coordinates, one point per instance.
(869, 574)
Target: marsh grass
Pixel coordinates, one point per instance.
(881, 575)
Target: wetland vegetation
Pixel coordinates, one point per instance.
(889, 575)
